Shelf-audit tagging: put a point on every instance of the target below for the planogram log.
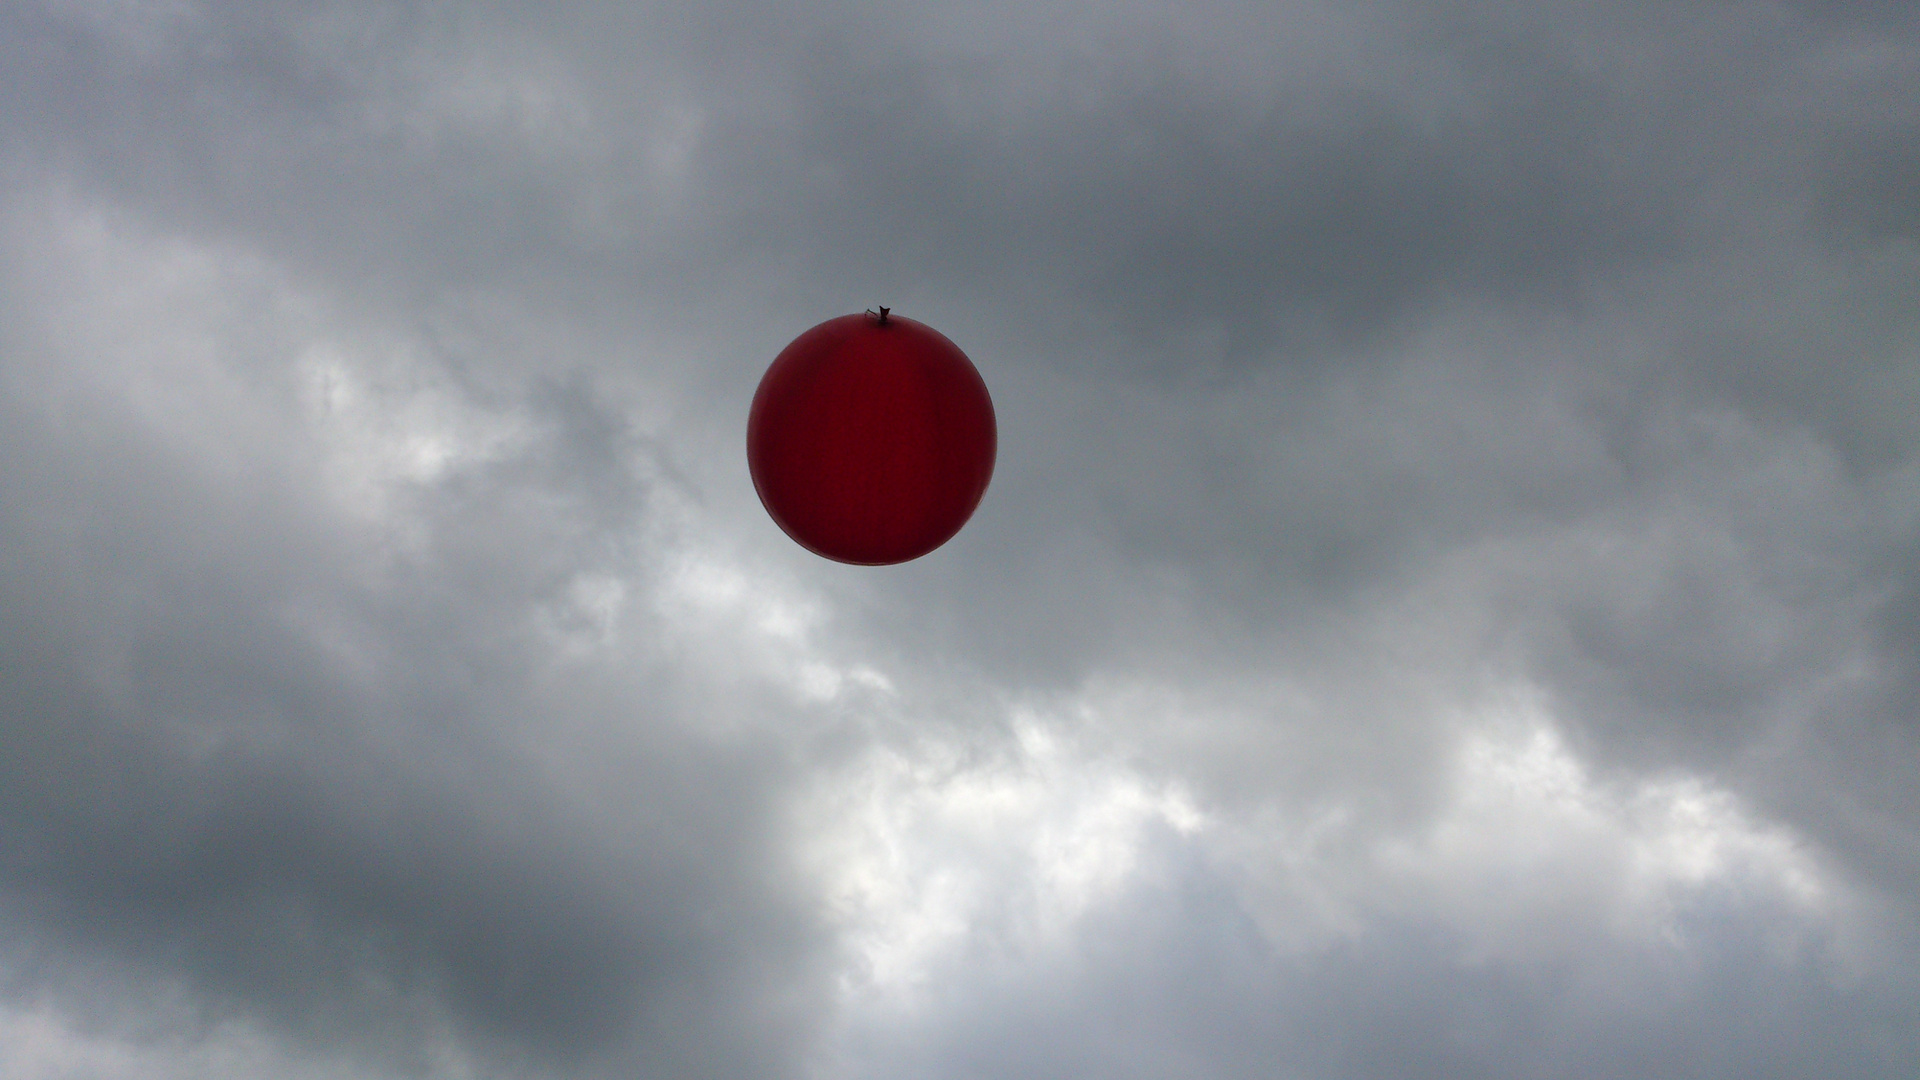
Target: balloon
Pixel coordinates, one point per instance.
(871, 439)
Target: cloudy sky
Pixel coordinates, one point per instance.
(1448, 605)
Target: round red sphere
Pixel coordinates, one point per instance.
(871, 439)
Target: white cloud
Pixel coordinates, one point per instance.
(928, 851)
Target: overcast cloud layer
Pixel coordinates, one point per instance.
(1448, 606)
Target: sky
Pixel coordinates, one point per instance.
(1448, 603)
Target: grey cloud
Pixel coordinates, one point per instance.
(1372, 357)
(190, 777)
(1189, 222)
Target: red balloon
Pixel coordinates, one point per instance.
(871, 439)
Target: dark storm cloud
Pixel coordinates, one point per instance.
(1147, 194)
(1373, 356)
(188, 777)
(1167, 207)
(247, 746)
